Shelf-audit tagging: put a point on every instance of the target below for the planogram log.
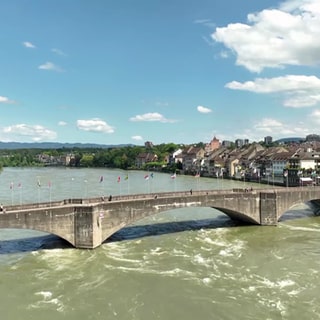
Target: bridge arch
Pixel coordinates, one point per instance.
(216, 212)
(87, 223)
(58, 221)
(44, 234)
(287, 200)
(115, 215)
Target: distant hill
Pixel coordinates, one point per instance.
(288, 140)
(56, 145)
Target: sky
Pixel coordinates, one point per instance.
(130, 71)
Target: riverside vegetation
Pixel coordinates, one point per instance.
(115, 157)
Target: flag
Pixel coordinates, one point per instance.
(126, 177)
(101, 179)
(173, 176)
(146, 177)
(119, 179)
(285, 174)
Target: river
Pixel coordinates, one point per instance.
(191, 263)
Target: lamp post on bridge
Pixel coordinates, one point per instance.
(39, 187)
(86, 188)
(285, 174)
(71, 188)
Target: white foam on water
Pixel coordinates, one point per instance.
(225, 253)
(299, 228)
(121, 254)
(119, 258)
(277, 284)
(285, 283)
(96, 281)
(277, 256)
(273, 305)
(179, 253)
(47, 299)
(234, 249)
(206, 280)
(176, 272)
(199, 259)
(45, 294)
(157, 252)
(295, 292)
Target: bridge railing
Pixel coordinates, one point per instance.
(130, 197)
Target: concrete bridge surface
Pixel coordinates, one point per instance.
(87, 223)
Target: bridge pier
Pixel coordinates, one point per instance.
(87, 227)
(268, 209)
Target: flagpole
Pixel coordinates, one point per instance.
(128, 185)
(86, 188)
(101, 181)
(39, 185)
(11, 187)
(71, 195)
(119, 180)
(173, 176)
(20, 193)
(49, 185)
(127, 178)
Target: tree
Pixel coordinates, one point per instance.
(86, 160)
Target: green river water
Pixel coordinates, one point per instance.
(191, 263)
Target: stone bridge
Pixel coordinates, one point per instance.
(87, 223)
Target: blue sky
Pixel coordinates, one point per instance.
(130, 71)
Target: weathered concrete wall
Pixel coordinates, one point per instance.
(286, 199)
(58, 221)
(116, 215)
(238, 206)
(268, 209)
(86, 224)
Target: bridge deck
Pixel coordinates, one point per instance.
(86, 223)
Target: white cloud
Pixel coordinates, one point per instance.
(205, 22)
(257, 130)
(202, 109)
(137, 138)
(268, 125)
(35, 132)
(299, 91)
(62, 123)
(94, 125)
(28, 44)
(162, 104)
(288, 35)
(315, 116)
(50, 67)
(5, 100)
(58, 52)
(151, 117)
(276, 128)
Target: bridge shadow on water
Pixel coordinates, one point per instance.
(30, 244)
(136, 231)
(157, 229)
